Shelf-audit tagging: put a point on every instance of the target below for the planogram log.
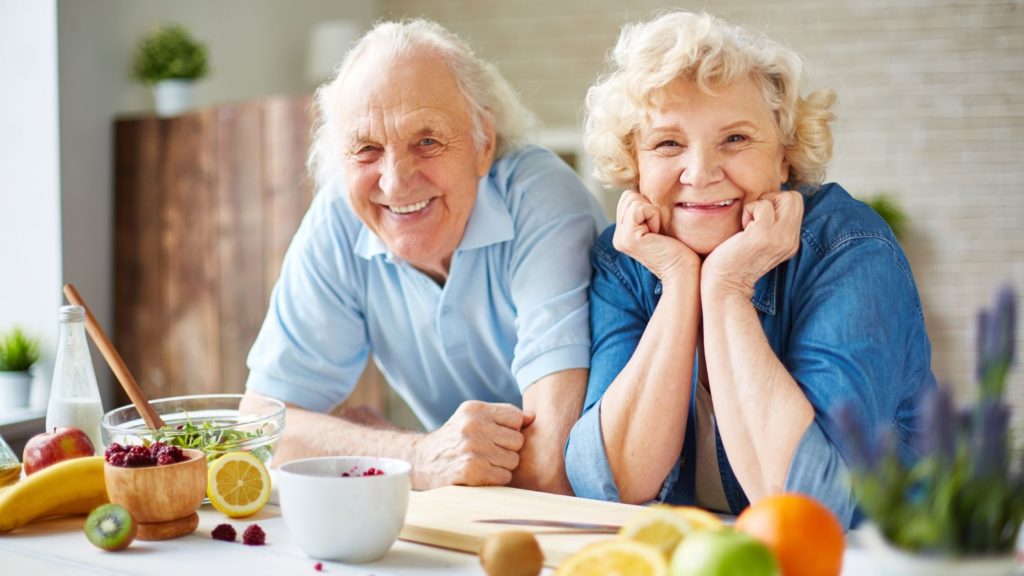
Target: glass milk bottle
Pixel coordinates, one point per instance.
(74, 396)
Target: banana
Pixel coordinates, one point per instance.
(73, 486)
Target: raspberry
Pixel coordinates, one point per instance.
(132, 459)
(164, 454)
(117, 459)
(254, 536)
(319, 566)
(224, 532)
(114, 448)
(139, 456)
(176, 453)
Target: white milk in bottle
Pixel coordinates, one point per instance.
(74, 395)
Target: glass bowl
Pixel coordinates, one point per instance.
(213, 423)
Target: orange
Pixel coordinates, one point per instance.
(805, 536)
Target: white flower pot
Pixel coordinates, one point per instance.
(15, 388)
(172, 97)
(896, 562)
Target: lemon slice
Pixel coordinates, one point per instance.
(658, 526)
(238, 484)
(699, 518)
(615, 557)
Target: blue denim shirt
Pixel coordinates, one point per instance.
(844, 317)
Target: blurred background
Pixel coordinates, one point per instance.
(930, 113)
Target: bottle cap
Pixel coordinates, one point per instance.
(72, 314)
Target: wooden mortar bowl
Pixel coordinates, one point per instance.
(162, 499)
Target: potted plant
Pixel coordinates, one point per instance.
(890, 211)
(958, 509)
(18, 353)
(171, 60)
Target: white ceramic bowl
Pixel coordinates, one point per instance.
(352, 518)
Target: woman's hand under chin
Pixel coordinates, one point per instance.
(770, 236)
(638, 234)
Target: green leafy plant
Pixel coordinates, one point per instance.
(890, 211)
(170, 52)
(212, 438)
(963, 496)
(18, 352)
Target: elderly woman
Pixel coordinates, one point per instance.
(737, 301)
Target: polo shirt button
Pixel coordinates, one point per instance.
(445, 310)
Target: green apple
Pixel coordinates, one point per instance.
(722, 553)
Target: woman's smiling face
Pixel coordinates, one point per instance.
(701, 157)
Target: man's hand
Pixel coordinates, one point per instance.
(770, 236)
(478, 446)
(638, 235)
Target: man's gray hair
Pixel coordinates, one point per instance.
(491, 98)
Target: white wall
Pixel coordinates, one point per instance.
(257, 48)
(30, 277)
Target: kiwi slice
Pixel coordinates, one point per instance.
(110, 527)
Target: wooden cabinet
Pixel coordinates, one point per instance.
(205, 207)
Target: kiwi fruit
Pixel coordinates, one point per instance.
(110, 527)
(511, 553)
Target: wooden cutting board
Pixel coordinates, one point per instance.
(446, 517)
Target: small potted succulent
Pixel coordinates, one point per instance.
(958, 509)
(170, 59)
(18, 353)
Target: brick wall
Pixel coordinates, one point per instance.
(931, 110)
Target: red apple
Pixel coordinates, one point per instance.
(49, 448)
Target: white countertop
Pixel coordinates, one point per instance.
(58, 547)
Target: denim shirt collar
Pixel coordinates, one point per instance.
(489, 223)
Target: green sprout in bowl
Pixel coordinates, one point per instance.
(212, 438)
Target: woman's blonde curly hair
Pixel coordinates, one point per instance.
(702, 48)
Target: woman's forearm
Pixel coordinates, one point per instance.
(761, 411)
(644, 411)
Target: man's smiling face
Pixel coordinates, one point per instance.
(411, 163)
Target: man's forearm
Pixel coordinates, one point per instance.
(557, 400)
(477, 446)
(308, 434)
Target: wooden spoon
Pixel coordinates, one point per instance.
(149, 415)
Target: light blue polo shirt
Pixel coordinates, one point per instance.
(513, 309)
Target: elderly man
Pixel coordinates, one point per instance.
(453, 253)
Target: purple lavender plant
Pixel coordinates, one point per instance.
(962, 497)
(995, 343)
